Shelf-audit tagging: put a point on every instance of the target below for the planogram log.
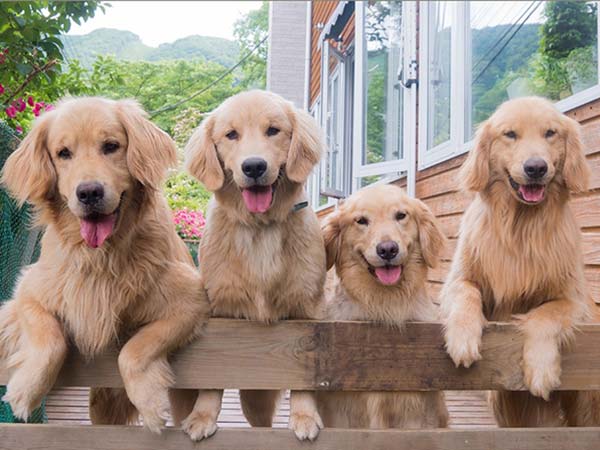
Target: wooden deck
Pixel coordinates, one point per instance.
(69, 406)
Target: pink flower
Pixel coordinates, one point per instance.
(11, 112)
(30, 101)
(19, 129)
(20, 104)
(49, 107)
(1, 89)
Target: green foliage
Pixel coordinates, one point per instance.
(125, 45)
(569, 25)
(29, 32)
(154, 85)
(249, 31)
(183, 191)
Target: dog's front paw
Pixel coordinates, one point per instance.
(149, 392)
(541, 369)
(23, 393)
(200, 425)
(306, 425)
(463, 343)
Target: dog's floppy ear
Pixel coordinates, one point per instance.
(431, 237)
(306, 146)
(150, 151)
(28, 173)
(330, 229)
(576, 171)
(475, 171)
(201, 159)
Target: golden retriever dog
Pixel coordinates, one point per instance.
(381, 242)
(519, 253)
(112, 270)
(262, 254)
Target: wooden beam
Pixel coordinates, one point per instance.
(65, 437)
(345, 356)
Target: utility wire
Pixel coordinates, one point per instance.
(505, 44)
(506, 33)
(210, 85)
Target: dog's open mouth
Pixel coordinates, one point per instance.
(96, 228)
(258, 199)
(530, 193)
(386, 275)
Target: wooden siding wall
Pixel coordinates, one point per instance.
(322, 11)
(437, 186)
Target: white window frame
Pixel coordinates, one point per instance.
(407, 163)
(460, 86)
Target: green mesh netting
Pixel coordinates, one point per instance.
(19, 246)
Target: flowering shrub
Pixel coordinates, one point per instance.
(189, 224)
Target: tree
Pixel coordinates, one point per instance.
(249, 31)
(569, 25)
(31, 53)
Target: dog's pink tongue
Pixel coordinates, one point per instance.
(388, 275)
(96, 232)
(258, 200)
(532, 192)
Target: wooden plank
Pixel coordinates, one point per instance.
(587, 210)
(437, 184)
(72, 437)
(585, 112)
(594, 163)
(450, 225)
(592, 275)
(591, 248)
(345, 356)
(450, 203)
(591, 136)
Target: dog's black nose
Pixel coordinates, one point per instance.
(535, 167)
(90, 193)
(254, 167)
(387, 250)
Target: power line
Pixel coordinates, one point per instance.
(505, 44)
(210, 85)
(506, 33)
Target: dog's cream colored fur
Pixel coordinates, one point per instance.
(515, 260)
(353, 293)
(138, 291)
(267, 266)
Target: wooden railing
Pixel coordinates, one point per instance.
(329, 356)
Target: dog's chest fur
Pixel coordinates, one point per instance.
(524, 261)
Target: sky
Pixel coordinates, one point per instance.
(158, 22)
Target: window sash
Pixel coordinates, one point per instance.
(459, 142)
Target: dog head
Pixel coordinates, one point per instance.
(253, 141)
(529, 147)
(89, 154)
(378, 235)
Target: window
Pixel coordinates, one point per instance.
(476, 55)
(381, 99)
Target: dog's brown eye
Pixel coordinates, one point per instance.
(400, 216)
(65, 153)
(272, 131)
(362, 221)
(550, 133)
(510, 134)
(110, 147)
(232, 135)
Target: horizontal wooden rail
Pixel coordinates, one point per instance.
(345, 356)
(65, 437)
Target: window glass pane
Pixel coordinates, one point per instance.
(383, 178)
(333, 162)
(383, 121)
(440, 55)
(529, 48)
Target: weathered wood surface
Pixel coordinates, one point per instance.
(345, 356)
(64, 437)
